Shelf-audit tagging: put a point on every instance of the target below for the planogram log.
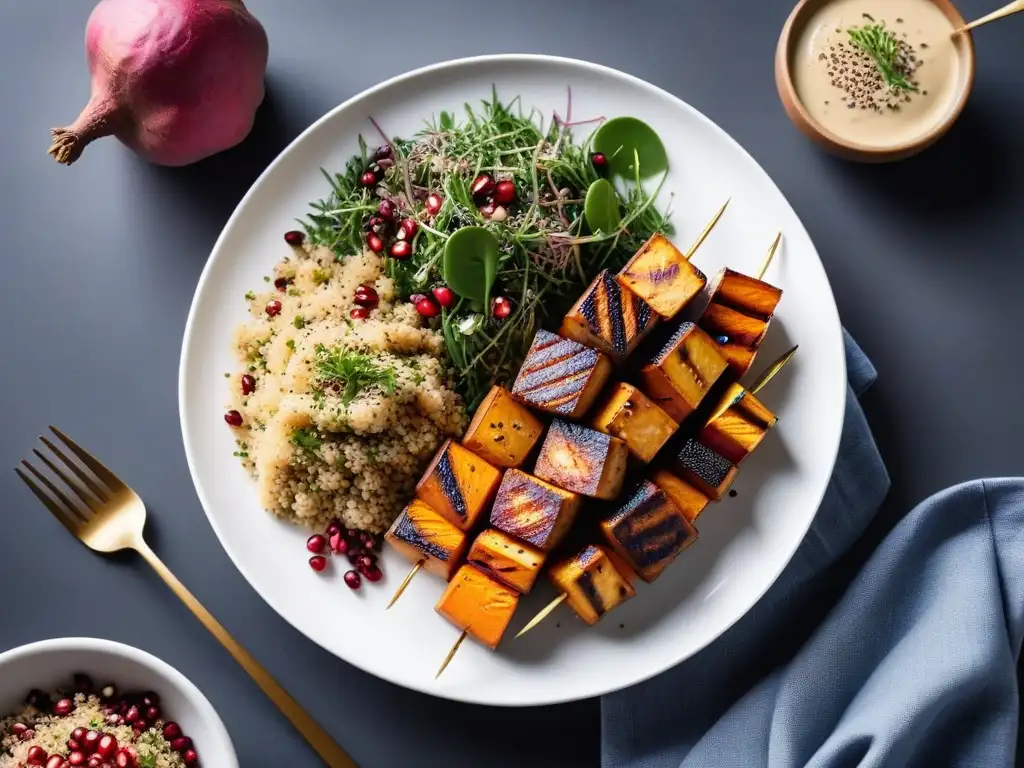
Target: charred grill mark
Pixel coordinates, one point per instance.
(561, 395)
(407, 531)
(450, 484)
(705, 463)
(590, 592)
(675, 340)
(556, 372)
(650, 540)
(525, 509)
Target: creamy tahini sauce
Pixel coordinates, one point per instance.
(922, 26)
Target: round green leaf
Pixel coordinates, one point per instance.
(470, 263)
(620, 137)
(602, 207)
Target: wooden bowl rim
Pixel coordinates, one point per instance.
(798, 113)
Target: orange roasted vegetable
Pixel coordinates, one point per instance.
(582, 460)
(702, 467)
(512, 562)
(592, 583)
(561, 376)
(532, 510)
(420, 533)
(502, 431)
(459, 485)
(682, 371)
(479, 605)
(631, 416)
(738, 425)
(690, 501)
(737, 316)
(610, 318)
(662, 276)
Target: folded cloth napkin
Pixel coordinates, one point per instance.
(914, 666)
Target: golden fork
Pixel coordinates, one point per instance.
(110, 517)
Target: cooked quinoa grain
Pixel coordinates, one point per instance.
(345, 414)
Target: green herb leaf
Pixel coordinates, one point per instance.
(471, 263)
(619, 138)
(250, 296)
(602, 207)
(298, 322)
(447, 121)
(884, 47)
(350, 373)
(307, 439)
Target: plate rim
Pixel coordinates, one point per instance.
(459, 694)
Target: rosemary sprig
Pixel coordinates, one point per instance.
(349, 373)
(884, 47)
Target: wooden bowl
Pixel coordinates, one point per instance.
(838, 145)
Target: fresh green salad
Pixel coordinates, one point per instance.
(496, 220)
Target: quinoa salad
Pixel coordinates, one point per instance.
(344, 393)
(96, 728)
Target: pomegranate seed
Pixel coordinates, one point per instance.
(374, 242)
(190, 757)
(83, 683)
(427, 308)
(316, 543)
(106, 746)
(488, 210)
(352, 580)
(412, 300)
(90, 741)
(359, 313)
(407, 229)
(125, 758)
(501, 308)
(294, 237)
(318, 563)
(18, 729)
(151, 699)
(115, 719)
(505, 192)
(433, 203)
(78, 734)
(248, 384)
(234, 418)
(181, 743)
(63, 707)
(445, 296)
(402, 249)
(482, 185)
(339, 545)
(95, 761)
(354, 553)
(72, 744)
(367, 561)
(387, 210)
(373, 573)
(76, 758)
(36, 756)
(28, 735)
(374, 224)
(333, 527)
(273, 308)
(281, 284)
(599, 161)
(55, 761)
(366, 296)
(152, 713)
(352, 533)
(368, 179)
(172, 731)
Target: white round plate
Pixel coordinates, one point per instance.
(745, 541)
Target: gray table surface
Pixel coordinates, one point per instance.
(100, 262)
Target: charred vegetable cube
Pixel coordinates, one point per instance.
(609, 317)
(502, 431)
(648, 531)
(662, 276)
(420, 533)
(478, 604)
(631, 416)
(704, 468)
(682, 371)
(591, 582)
(561, 376)
(512, 562)
(532, 510)
(690, 501)
(582, 460)
(459, 485)
(738, 425)
(738, 315)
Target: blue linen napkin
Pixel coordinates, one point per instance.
(914, 666)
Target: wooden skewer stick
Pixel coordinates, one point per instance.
(706, 232)
(773, 369)
(405, 582)
(451, 654)
(768, 258)
(543, 614)
(1010, 8)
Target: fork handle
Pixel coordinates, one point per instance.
(333, 755)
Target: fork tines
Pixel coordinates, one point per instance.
(92, 488)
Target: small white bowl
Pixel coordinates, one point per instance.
(50, 664)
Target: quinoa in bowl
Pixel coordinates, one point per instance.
(344, 394)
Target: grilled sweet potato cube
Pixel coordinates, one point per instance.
(582, 460)
(592, 583)
(561, 376)
(459, 485)
(745, 293)
(420, 533)
(648, 530)
(690, 501)
(681, 372)
(703, 468)
(740, 358)
(610, 318)
(502, 431)
(532, 510)
(512, 562)
(738, 425)
(631, 416)
(730, 326)
(662, 276)
(478, 604)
